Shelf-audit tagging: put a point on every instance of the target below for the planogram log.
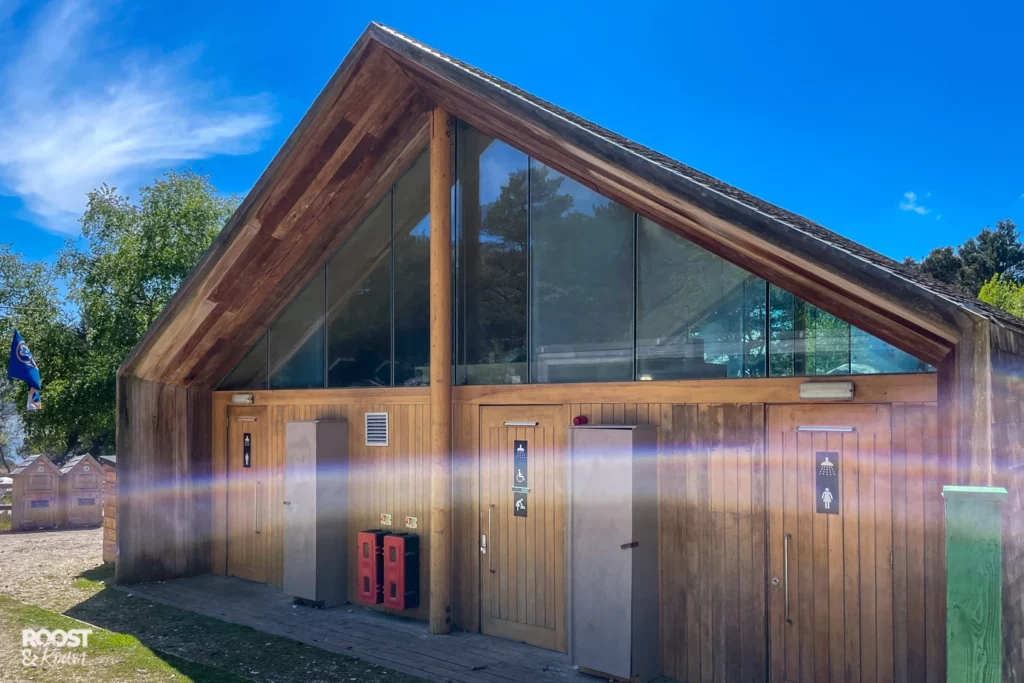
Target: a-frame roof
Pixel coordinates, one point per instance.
(79, 460)
(32, 460)
(370, 121)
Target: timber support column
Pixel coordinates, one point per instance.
(974, 583)
(440, 373)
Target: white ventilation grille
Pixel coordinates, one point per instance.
(376, 429)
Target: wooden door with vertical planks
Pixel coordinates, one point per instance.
(247, 493)
(831, 580)
(522, 558)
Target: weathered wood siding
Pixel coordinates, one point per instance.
(1008, 453)
(109, 513)
(163, 492)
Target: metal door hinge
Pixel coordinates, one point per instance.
(890, 558)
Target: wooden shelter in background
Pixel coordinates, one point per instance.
(109, 463)
(35, 497)
(391, 98)
(81, 491)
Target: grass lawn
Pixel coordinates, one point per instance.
(5, 522)
(135, 639)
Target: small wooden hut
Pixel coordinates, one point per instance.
(36, 494)
(81, 492)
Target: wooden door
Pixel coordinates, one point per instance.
(247, 492)
(830, 547)
(522, 592)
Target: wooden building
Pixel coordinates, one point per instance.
(109, 463)
(35, 496)
(482, 268)
(81, 491)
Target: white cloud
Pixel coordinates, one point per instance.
(74, 119)
(909, 203)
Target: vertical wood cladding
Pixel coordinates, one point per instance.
(394, 480)
(163, 446)
(1008, 453)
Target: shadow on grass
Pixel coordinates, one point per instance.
(104, 573)
(174, 635)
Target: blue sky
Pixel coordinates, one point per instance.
(897, 125)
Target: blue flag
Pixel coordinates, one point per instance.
(22, 365)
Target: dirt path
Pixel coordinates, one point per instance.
(40, 567)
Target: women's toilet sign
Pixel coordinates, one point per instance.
(827, 479)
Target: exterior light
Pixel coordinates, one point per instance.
(826, 391)
(241, 398)
(645, 378)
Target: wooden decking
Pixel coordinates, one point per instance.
(400, 644)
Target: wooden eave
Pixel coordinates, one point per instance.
(369, 123)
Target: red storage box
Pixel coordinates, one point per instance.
(402, 571)
(370, 565)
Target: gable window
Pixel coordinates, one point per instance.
(581, 282)
(553, 283)
(359, 305)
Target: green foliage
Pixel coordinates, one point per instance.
(130, 260)
(976, 261)
(1004, 293)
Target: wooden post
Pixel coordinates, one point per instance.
(974, 582)
(440, 373)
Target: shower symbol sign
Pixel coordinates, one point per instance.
(827, 482)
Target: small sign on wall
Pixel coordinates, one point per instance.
(247, 450)
(411, 523)
(519, 505)
(385, 519)
(826, 475)
(40, 504)
(87, 501)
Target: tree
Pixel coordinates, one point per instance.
(133, 259)
(976, 261)
(1004, 293)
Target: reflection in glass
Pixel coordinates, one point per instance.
(412, 274)
(698, 316)
(805, 340)
(359, 305)
(251, 371)
(492, 287)
(870, 355)
(296, 340)
(581, 282)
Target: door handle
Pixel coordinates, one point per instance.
(490, 563)
(256, 507)
(785, 573)
(627, 546)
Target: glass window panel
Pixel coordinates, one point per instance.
(581, 282)
(251, 371)
(805, 340)
(870, 355)
(698, 316)
(412, 274)
(492, 288)
(297, 340)
(359, 305)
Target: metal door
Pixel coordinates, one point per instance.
(522, 557)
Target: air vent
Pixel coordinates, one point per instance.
(376, 429)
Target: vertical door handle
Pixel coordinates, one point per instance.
(490, 563)
(256, 508)
(785, 573)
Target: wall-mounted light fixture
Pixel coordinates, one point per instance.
(243, 399)
(826, 391)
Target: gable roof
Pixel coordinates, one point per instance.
(32, 460)
(73, 463)
(369, 122)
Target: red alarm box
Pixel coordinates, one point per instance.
(370, 565)
(401, 571)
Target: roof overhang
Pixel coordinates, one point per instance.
(370, 121)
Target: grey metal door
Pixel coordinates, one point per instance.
(300, 505)
(602, 569)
